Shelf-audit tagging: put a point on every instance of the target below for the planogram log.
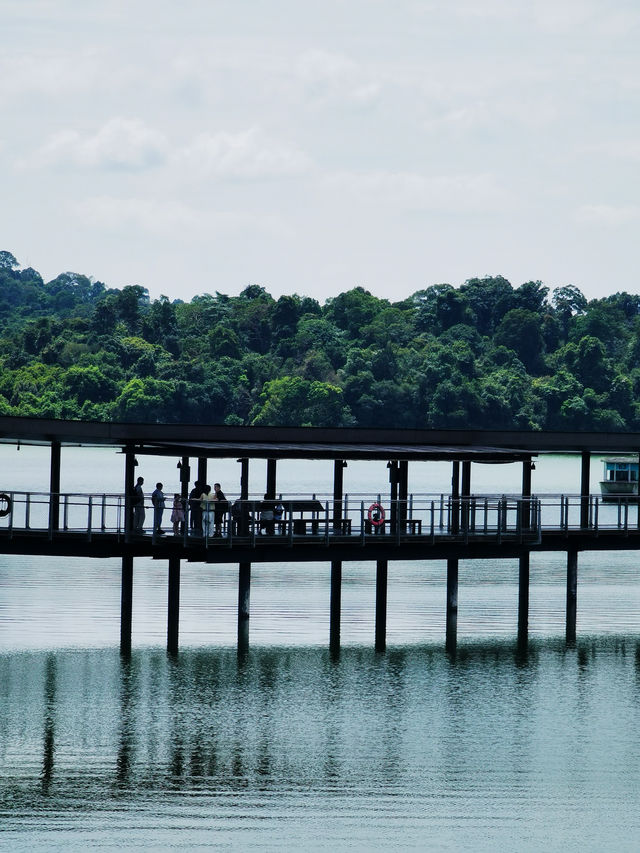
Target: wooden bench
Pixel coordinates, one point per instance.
(410, 525)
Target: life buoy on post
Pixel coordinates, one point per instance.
(5, 504)
(376, 514)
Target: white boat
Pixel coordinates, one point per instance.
(620, 479)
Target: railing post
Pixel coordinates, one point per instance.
(27, 512)
(362, 539)
(433, 522)
(103, 514)
(90, 516)
(65, 513)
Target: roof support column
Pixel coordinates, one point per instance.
(270, 491)
(54, 488)
(584, 488)
(338, 490)
(403, 493)
(129, 472)
(454, 521)
(466, 494)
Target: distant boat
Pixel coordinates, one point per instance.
(620, 480)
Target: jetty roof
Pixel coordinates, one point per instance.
(217, 441)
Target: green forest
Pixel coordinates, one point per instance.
(486, 355)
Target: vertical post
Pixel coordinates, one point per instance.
(271, 479)
(129, 473)
(381, 604)
(202, 470)
(584, 489)
(452, 605)
(466, 493)
(334, 607)
(243, 527)
(244, 593)
(455, 497)
(523, 599)
(338, 485)
(126, 605)
(526, 494)
(403, 493)
(572, 595)
(173, 610)
(54, 487)
(185, 477)
(393, 495)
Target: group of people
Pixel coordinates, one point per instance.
(207, 509)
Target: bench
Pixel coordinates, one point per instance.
(410, 525)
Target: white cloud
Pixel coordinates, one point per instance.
(248, 154)
(608, 215)
(171, 218)
(411, 191)
(331, 76)
(119, 144)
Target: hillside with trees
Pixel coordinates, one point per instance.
(486, 355)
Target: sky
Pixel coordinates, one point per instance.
(311, 147)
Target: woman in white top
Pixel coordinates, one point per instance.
(207, 499)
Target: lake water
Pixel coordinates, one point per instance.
(288, 749)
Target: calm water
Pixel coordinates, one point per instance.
(287, 749)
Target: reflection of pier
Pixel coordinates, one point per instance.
(337, 527)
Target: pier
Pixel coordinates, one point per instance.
(337, 527)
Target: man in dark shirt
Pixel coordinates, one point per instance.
(220, 508)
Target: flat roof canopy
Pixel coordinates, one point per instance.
(312, 442)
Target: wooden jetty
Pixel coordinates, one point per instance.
(458, 525)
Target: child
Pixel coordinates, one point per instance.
(177, 514)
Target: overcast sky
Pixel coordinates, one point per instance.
(310, 147)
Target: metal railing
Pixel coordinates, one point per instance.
(319, 517)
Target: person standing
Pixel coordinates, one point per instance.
(195, 511)
(157, 499)
(220, 508)
(138, 506)
(177, 514)
(207, 500)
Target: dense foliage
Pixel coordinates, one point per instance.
(485, 355)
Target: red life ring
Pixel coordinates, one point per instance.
(376, 514)
(6, 504)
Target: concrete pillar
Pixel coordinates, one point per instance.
(455, 497)
(244, 593)
(466, 493)
(381, 604)
(338, 493)
(173, 608)
(393, 495)
(129, 481)
(54, 487)
(403, 492)
(452, 605)
(584, 488)
(526, 494)
(202, 470)
(126, 605)
(270, 491)
(243, 526)
(572, 595)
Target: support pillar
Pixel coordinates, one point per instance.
(523, 599)
(202, 470)
(173, 610)
(381, 604)
(584, 489)
(126, 605)
(54, 487)
(526, 494)
(334, 607)
(270, 491)
(244, 592)
(572, 595)
(455, 497)
(452, 605)
(185, 477)
(243, 527)
(393, 479)
(403, 493)
(338, 486)
(129, 475)
(466, 493)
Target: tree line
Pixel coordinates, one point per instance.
(484, 355)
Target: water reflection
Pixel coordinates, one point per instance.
(411, 738)
(49, 722)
